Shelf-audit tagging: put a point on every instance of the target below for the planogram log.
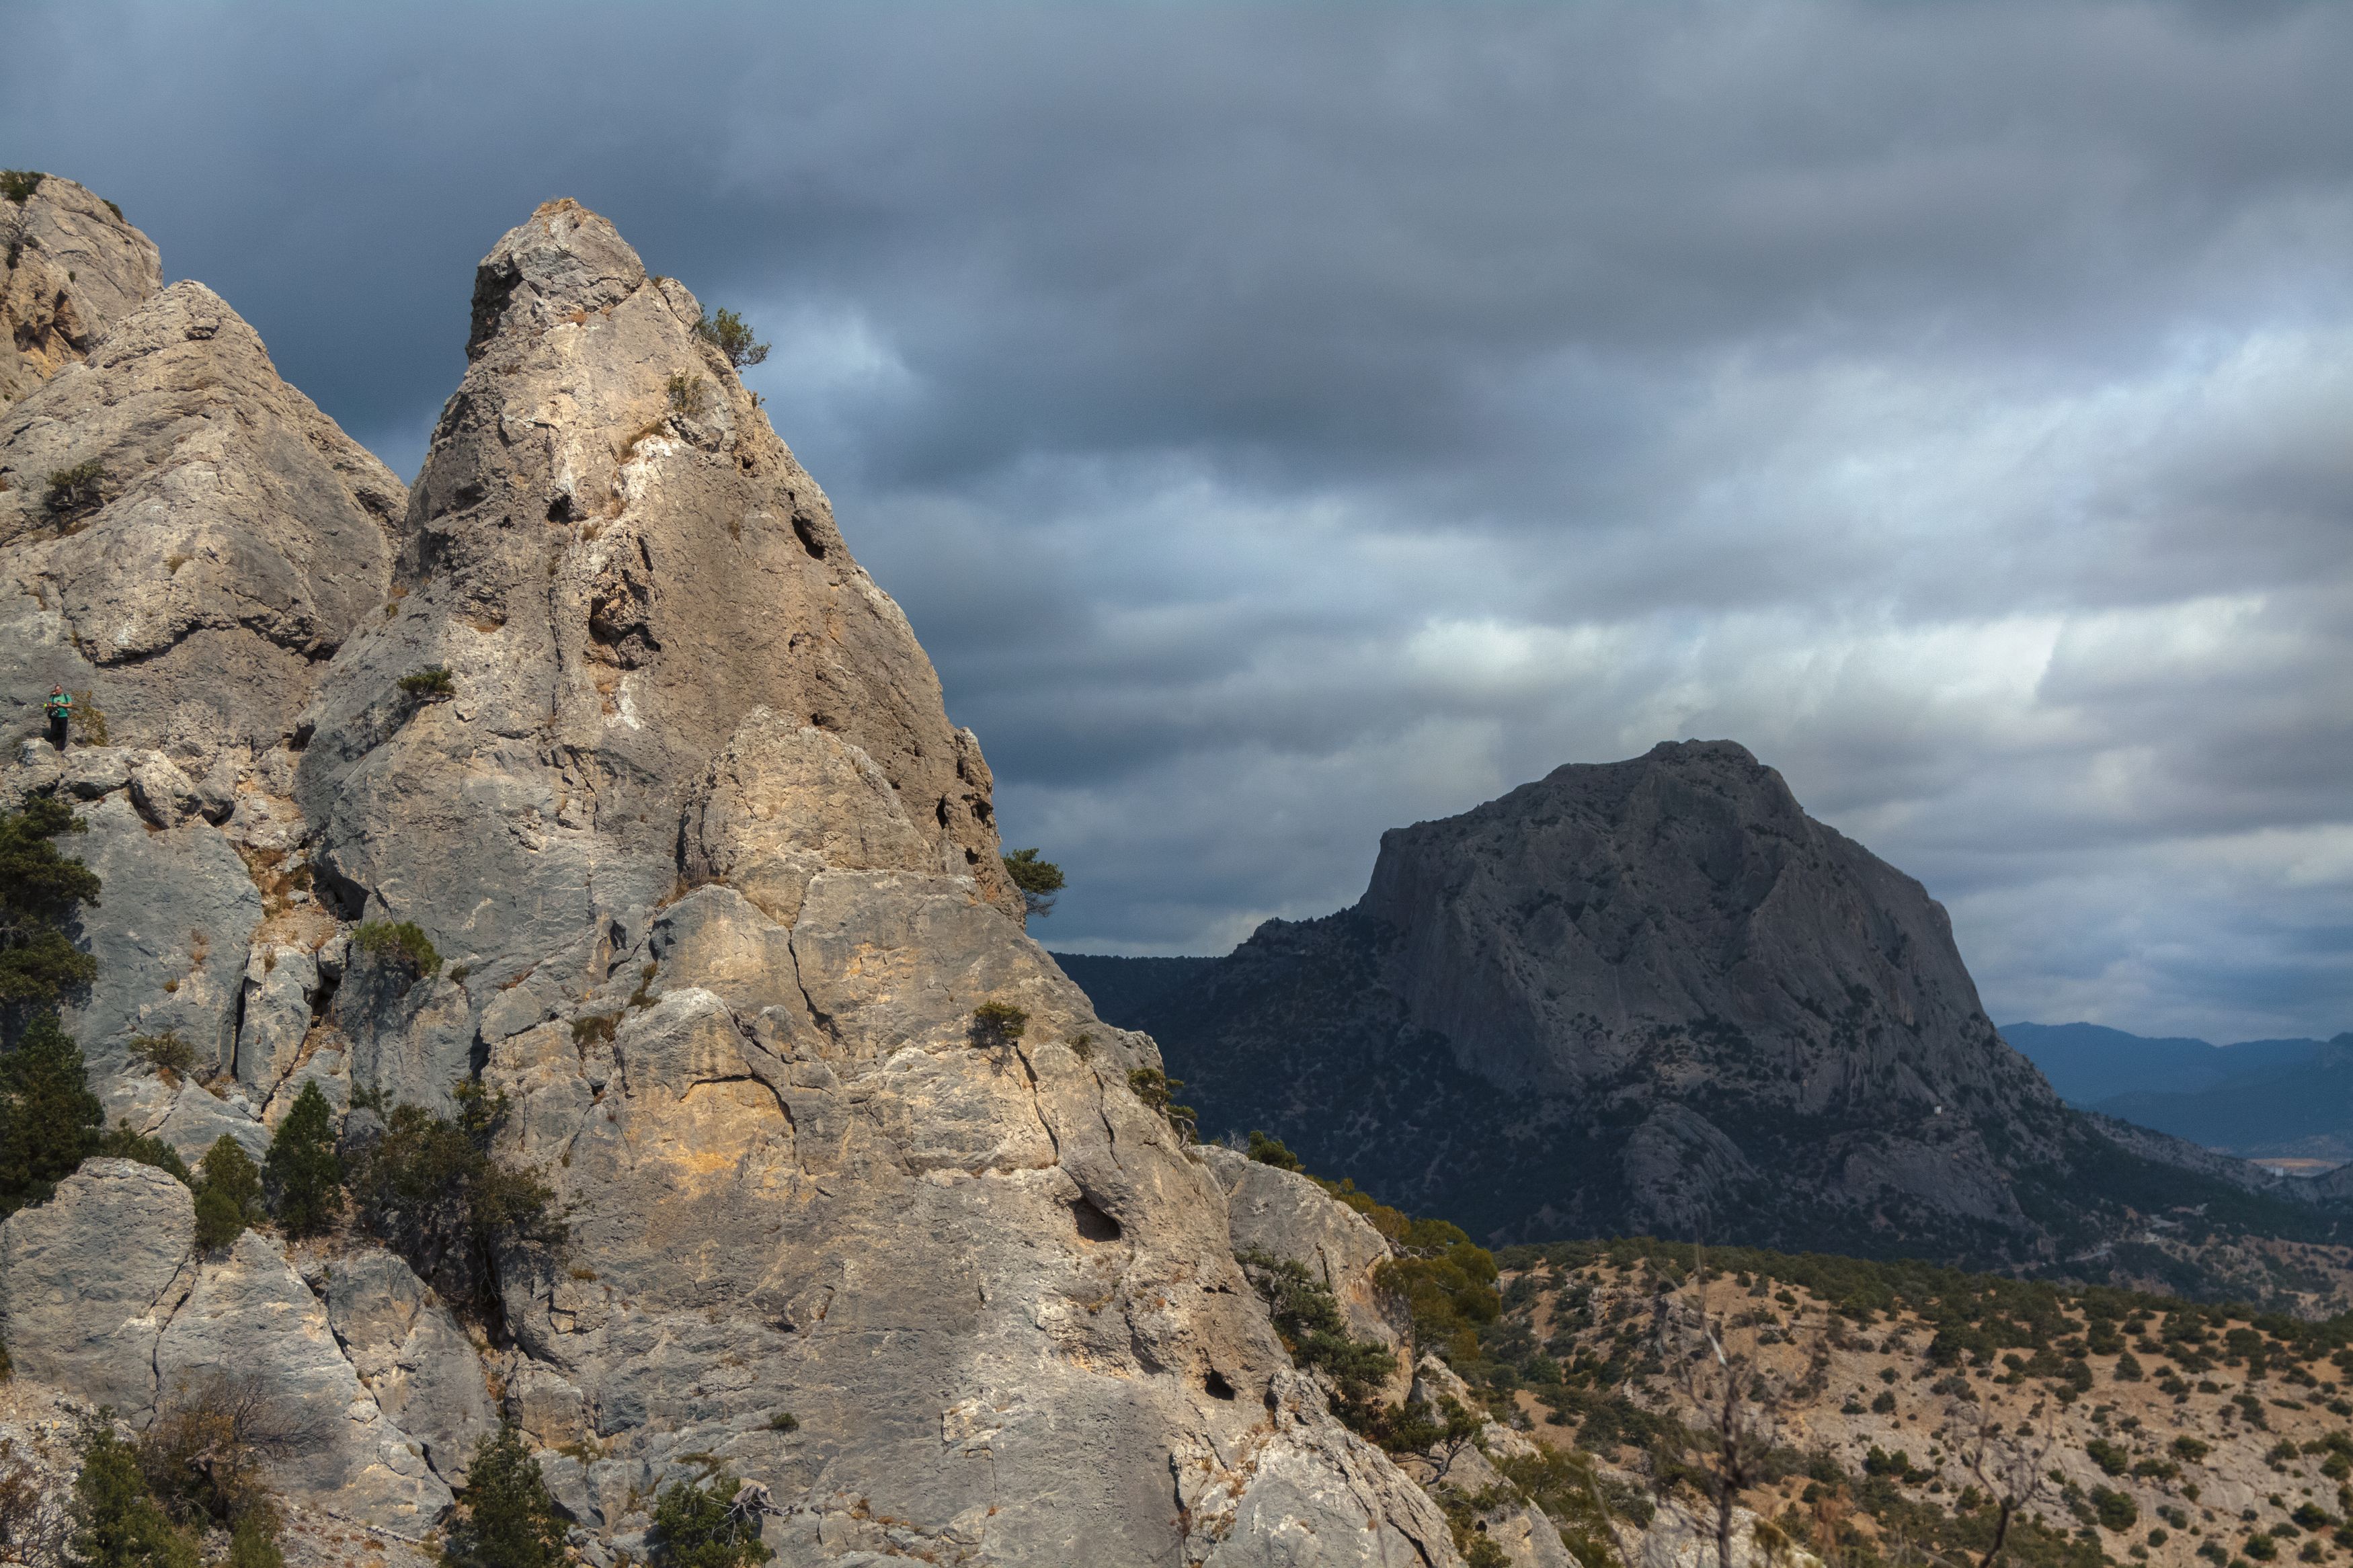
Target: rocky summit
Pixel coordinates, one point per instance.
(643, 795)
(1654, 996)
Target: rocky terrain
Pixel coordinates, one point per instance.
(1655, 996)
(1897, 1402)
(593, 773)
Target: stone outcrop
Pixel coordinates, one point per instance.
(1644, 997)
(718, 902)
(72, 270)
(89, 1278)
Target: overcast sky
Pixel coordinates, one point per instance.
(1285, 423)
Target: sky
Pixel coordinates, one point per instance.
(1285, 423)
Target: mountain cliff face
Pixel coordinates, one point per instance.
(1650, 996)
(716, 891)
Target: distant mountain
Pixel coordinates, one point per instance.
(2090, 1065)
(2301, 1109)
(1655, 996)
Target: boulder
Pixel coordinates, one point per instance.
(251, 1329)
(411, 1354)
(280, 983)
(87, 1279)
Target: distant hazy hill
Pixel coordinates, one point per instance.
(2089, 1065)
(2260, 1097)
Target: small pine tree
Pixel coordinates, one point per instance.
(125, 1142)
(511, 1521)
(302, 1173)
(39, 891)
(694, 1527)
(50, 1121)
(116, 1522)
(1039, 880)
(725, 330)
(229, 1194)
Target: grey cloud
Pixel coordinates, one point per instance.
(1282, 423)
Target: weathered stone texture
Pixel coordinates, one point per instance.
(89, 1278)
(72, 270)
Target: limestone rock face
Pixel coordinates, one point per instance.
(251, 1325)
(88, 1279)
(232, 540)
(73, 269)
(717, 894)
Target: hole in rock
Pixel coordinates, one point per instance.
(807, 536)
(1094, 1224)
(560, 510)
(1216, 1385)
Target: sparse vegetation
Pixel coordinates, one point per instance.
(401, 944)
(509, 1519)
(40, 889)
(431, 1190)
(301, 1173)
(690, 395)
(431, 684)
(90, 720)
(75, 492)
(725, 330)
(1307, 1317)
(783, 1420)
(166, 1055)
(706, 1526)
(50, 1121)
(18, 185)
(1157, 1091)
(117, 1522)
(998, 1024)
(229, 1194)
(1040, 881)
(1270, 1151)
(125, 1142)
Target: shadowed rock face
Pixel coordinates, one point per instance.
(69, 268)
(1648, 996)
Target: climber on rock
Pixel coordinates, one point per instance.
(60, 708)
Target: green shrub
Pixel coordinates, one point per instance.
(166, 1055)
(690, 395)
(1039, 880)
(50, 1121)
(302, 1174)
(2260, 1547)
(2116, 1511)
(695, 1528)
(783, 1420)
(76, 492)
(2112, 1460)
(403, 943)
(2128, 1368)
(1157, 1091)
(117, 1524)
(127, 1143)
(90, 720)
(725, 330)
(429, 685)
(229, 1194)
(431, 1191)
(40, 890)
(1306, 1317)
(1270, 1151)
(998, 1024)
(18, 185)
(2189, 1449)
(509, 1520)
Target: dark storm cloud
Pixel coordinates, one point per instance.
(1284, 423)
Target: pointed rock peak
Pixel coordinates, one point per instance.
(73, 267)
(561, 262)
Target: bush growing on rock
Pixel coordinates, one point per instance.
(229, 1194)
(401, 944)
(699, 1527)
(202, 1457)
(301, 1173)
(75, 492)
(18, 185)
(509, 1520)
(998, 1024)
(50, 1121)
(1267, 1151)
(166, 1055)
(1039, 880)
(126, 1143)
(1306, 1317)
(430, 684)
(39, 891)
(725, 331)
(117, 1524)
(1157, 1091)
(432, 1191)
